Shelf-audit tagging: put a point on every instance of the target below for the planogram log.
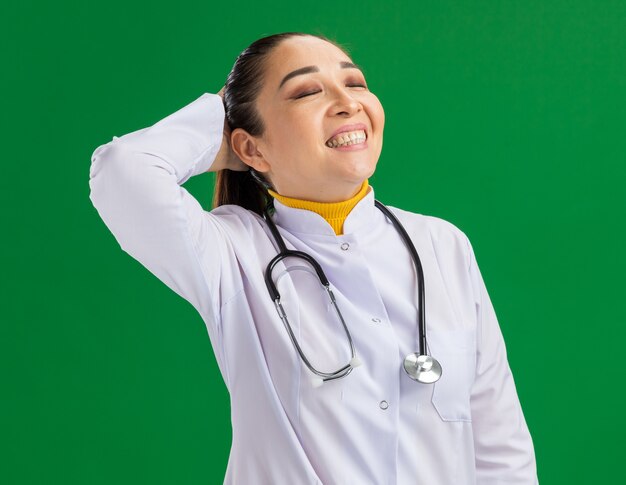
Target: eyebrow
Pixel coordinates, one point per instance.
(310, 69)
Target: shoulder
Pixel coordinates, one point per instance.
(231, 214)
(436, 226)
(235, 219)
(444, 235)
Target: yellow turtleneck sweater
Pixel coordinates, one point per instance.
(335, 213)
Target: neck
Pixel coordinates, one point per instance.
(334, 213)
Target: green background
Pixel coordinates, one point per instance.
(504, 117)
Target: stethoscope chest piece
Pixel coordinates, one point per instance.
(422, 368)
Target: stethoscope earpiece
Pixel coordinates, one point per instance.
(316, 381)
(355, 362)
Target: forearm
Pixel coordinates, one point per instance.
(189, 139)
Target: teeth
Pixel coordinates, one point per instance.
(347, 138)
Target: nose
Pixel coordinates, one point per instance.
(344, 103)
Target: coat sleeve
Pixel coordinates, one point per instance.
(502, 442)
(135, 185)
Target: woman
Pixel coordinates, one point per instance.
(276, 137)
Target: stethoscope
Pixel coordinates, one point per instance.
(418, 365)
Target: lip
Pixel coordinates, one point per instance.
(351, 127)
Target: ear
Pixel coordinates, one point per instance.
(246, 147)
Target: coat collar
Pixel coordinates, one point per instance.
(304, 221)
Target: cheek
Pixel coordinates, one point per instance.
(379, 112)
(291, 146)
(281, 137)
(303, 134)
(292, 130)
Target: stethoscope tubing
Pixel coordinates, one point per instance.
(275, 295)
(420, 275)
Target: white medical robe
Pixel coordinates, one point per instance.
(374, 426)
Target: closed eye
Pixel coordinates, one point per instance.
(309, 93)
(306, 94)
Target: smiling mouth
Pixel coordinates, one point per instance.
(347, 138)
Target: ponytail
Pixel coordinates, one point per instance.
(246, 189)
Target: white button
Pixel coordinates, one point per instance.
(376, 320)
(384, 404)
(345, 246)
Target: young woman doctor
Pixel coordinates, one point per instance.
(298, 127)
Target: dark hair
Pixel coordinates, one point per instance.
(248, 189)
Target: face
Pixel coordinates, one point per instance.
(302, 111)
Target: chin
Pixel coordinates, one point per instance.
(360, 173)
